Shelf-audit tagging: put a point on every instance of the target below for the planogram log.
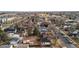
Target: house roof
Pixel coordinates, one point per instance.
(5, 46)
(76, 31)
(29, 39)
(45, 40)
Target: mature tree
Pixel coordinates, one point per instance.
(1, 34)
(77, 26)
(36, 31)
(3, 37)
(29, 31)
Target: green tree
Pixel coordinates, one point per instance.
(1, 33)
(77, 27)
(3, 37)
(36, 31)
(29, 31)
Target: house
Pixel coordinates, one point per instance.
(14, 41)
(10, 30)
(12, 35)
(5, 46)
(75, 32)
(42, 29)
(71, 22)
(29, 40)
(45, 42)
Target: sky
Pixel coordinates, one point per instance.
(38, 5)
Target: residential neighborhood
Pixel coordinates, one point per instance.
(39, 29)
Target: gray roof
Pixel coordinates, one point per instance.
(5, 46)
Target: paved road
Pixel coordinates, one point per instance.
(66, 40)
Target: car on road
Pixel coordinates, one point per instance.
(66, 40)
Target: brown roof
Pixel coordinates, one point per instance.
(30, 38)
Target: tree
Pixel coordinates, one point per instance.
(1, 34)
(36, 31)
(3, 37)
(77, 27)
